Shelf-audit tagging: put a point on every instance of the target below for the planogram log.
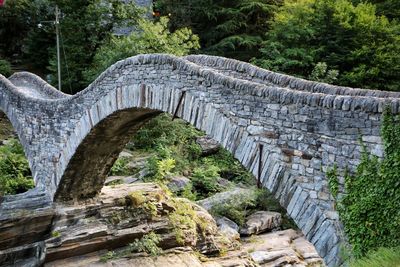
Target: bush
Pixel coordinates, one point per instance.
(5, 68)
(15, 174)
(162, 131)
(205, 180)
(231, 168)
(370, 208)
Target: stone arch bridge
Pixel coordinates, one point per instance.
(286, 131)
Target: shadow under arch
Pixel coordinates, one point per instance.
(88, 168)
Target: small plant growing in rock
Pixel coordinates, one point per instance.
(186, 222)
(136, 199)
(108, 256)
(55, 234)
(333, 181)
(148, 244)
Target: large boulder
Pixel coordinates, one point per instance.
(178, 183)
(233, 197)
(261, 221)
(228, 228)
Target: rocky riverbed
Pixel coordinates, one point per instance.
(85, 235)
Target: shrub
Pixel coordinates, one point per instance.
(120, 168)
(230, 168)
(205, 180)
(162, 131)
(15, 174)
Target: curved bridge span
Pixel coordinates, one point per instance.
(303, 127)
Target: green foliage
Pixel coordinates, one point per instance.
(388, 8)
(370, 209)
(153, 37)
(171, 140)
(176, 152)
(17, 18)
(333, 181)
(95, 21)
(226, 28)
(364, 48)
(5, 68)
(120, 168)
(164, 168)
(230, 168)
(205, 180)
(185, 221)
(162, 131)
(237, 208)
(320, 73)
(148, 244)
(55, 234)
(15, 174)
(188, 192)
(383, 257)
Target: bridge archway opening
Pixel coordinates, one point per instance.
(15, 172)
(91, 164)
(88, 168)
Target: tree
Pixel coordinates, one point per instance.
(151, 37)
(388, 8)
(227, 28)
(362, 46)
(86, 26)
(17, 18)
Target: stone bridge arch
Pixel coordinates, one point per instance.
(305, 127)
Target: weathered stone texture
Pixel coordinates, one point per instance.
(305, 128)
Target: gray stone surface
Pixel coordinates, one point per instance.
(261, 221)
(178, 183)
(228, 228)
(208, 145)
(305, 127)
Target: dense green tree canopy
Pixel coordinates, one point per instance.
(151, 37)
(227, 28)
(363, 47)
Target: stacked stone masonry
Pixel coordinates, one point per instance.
(305, 128)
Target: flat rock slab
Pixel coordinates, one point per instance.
(282, 248)
(261, 221)
(173, 259)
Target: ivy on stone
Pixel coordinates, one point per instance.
(370, 208)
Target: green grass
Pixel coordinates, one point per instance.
(383, 257)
